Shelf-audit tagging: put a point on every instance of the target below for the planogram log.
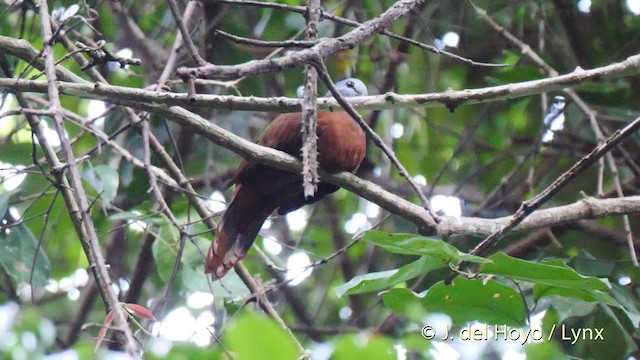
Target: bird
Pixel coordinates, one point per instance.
(554, 120)
(261, 189)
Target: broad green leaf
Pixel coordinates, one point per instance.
(540, 291)
(15, 152)
(364, 346)
(465, 300)
(616, 342)
(18, 248)
(553, 274)
(385, 279)
(411, 244)
(517, 118)
(273, 343)
(566, 307)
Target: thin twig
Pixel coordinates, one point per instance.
(185, 34)
(340, 20)
(591, 115)
(322, 71)
(323, 49)
(528, 207)
(262, 43)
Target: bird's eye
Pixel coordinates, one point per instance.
(350, 84)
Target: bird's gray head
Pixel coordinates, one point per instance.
(351, 87)
(558, 102)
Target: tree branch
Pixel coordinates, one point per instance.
(310, 178)
(450, 98)
(78, 206)
(324, 49)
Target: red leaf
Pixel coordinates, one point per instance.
(139, 311)
(103, 330)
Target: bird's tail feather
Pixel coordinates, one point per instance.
(237, 230)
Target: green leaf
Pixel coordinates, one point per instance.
(273, 342)
(552, 273)
(17, 251)
(465, 300)
(385, 279)
(544, 350)
(364, 346)
(540, 291)
(565, 308)
(550, 319)
(411, 244)
(104, 180)
(616, 342)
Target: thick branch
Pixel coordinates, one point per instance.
(449, 225)
(450, 98)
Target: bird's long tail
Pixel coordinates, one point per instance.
(237, 230)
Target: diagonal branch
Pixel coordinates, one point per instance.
(591, 115)
(78, 205)
(374, 137)
(185, 33)
(530, 206)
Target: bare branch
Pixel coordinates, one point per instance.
(340, 20)
(450, 98)
(263, 43)
(78, 205)
(310, 178)
(323, 49)
(528, 207)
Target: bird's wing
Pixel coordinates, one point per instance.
(282, 134)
